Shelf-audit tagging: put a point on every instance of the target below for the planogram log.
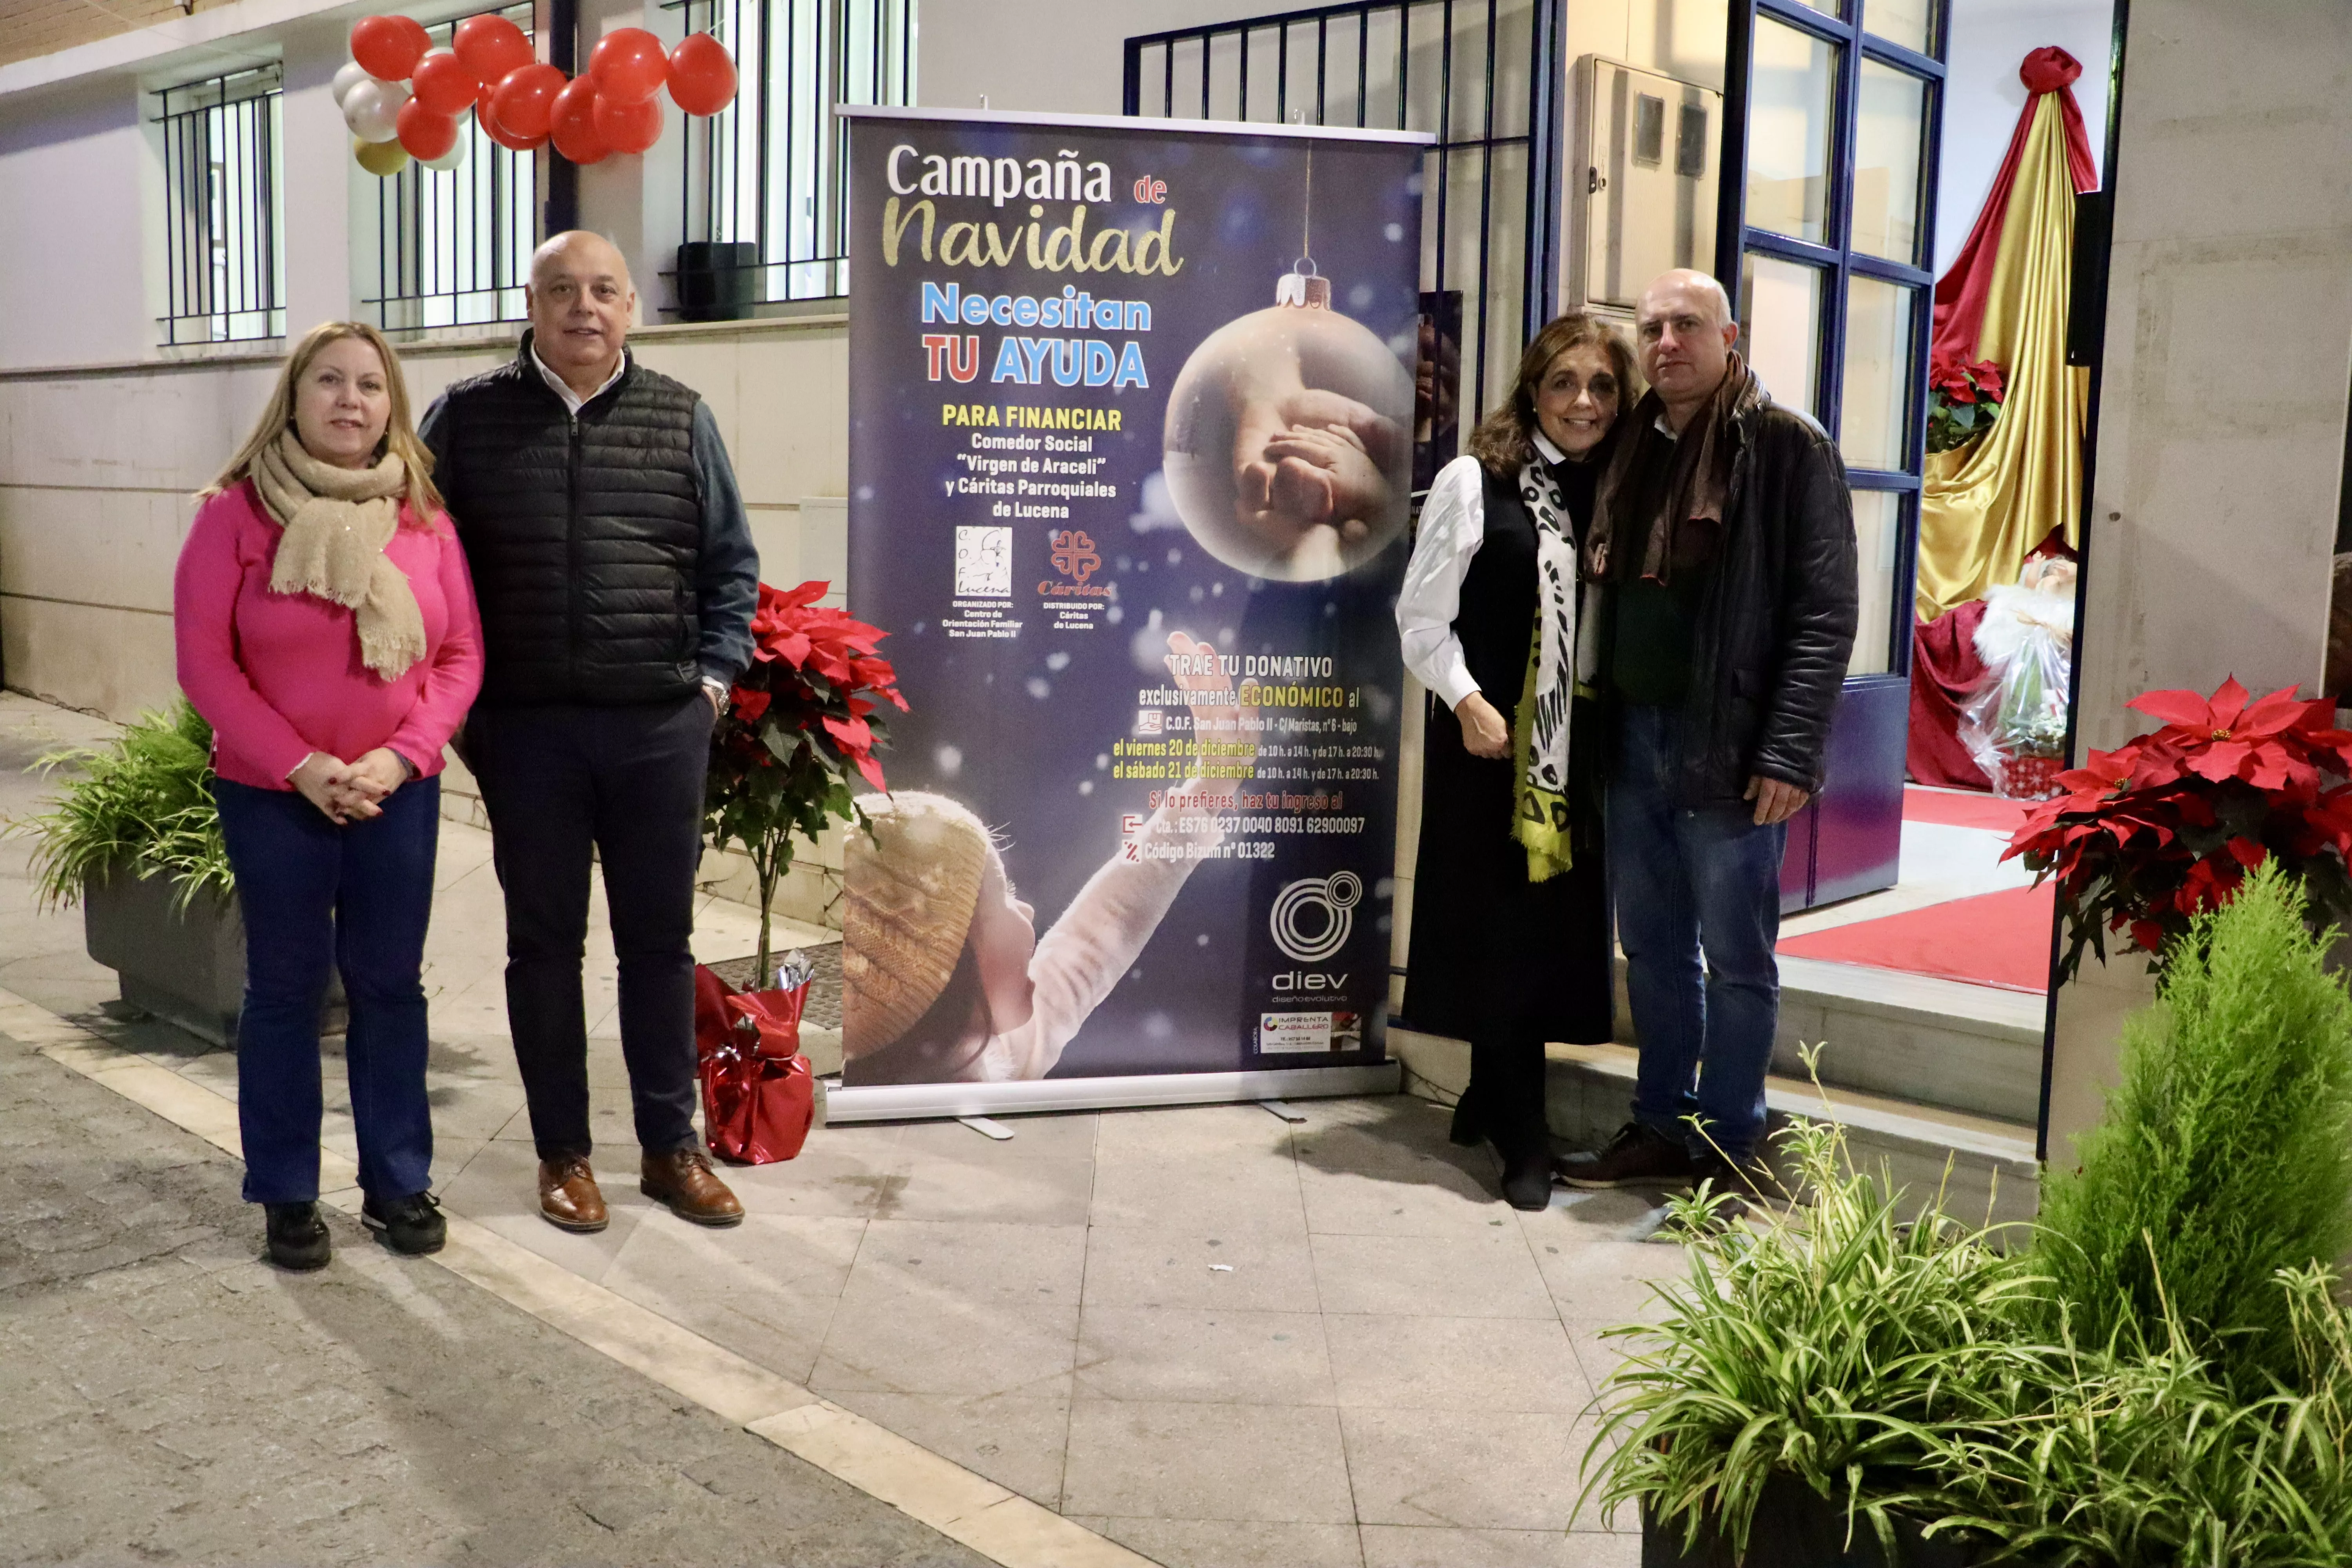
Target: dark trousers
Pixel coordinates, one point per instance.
(357, 896)
(1507, 1089)
(626, 783)
(1689, 881)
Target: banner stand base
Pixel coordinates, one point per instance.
(929, 1101)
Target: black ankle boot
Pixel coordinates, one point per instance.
(1469, 1129)
(298, 1236)
(1526, 1181)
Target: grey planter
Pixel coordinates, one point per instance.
(184, 966)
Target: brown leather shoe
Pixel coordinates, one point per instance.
(568, 1198)
(683, 1179)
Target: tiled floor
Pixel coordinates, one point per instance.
(1216, 1336)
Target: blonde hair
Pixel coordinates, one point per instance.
(399, 431)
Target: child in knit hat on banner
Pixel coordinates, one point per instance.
(944, 975)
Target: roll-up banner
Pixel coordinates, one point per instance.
(1130, 458)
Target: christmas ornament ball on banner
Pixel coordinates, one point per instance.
(1131, 413)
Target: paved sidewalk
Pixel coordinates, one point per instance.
(1218, 1337)
(166, 1396)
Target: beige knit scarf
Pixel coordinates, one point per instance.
(337, 522)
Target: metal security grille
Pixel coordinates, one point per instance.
(453, 245)
(768, 176)
(223, 239)
(1484, 76)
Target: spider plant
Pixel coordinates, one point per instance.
(1847, 1342)
(143, 806)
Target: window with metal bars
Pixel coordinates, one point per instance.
(767, 204)
(453, 245)
(1483, 76)
(224, 230)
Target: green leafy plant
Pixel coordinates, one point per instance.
(2149, 1459)
(1963, 401)
(143, 806)
(1847, 1345)
(2226, 1153)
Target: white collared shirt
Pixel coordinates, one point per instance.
(573, 402)
(1452, 527)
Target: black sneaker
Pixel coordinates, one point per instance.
(412, 1225)
(1747, 1178)
(1638, 1156)
(298, 1236)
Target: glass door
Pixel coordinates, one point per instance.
(1834, 137)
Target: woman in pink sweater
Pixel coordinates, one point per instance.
(326, 628)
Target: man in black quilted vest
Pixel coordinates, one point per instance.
(617, 579)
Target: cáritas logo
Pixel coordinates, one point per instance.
(1074, 554)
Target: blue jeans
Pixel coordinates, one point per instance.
(1685, 881)
(357, 896)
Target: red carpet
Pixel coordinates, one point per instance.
(1993, 938)
(1962, 808)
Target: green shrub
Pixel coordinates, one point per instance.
(143, 804)
(2226, 1153)
(1851, 1345)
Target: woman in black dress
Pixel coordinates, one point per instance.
(1510, 911)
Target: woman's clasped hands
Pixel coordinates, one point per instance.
(349, 792)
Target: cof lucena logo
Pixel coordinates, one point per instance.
(1312, 917)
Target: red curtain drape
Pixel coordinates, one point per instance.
(1961, 293)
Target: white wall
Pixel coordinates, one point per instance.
(1990, 38)
(74, 173)
(2229, 348)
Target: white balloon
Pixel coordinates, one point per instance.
(350, 77)
(453, 156)
(372, 110)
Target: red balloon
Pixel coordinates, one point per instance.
(575, 123)
(487, 118)
(444, 85)
(628, 127)
(523, 105)
(388, 47)
(701, 75)
(425, 134)
(491, 47)
(628, 64)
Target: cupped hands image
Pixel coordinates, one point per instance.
(1288, 444)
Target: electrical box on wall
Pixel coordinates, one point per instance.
(1641, 189)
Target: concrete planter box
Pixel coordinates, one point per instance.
(1795, 1529)
(184, 966)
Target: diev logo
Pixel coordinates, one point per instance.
(1311, 917)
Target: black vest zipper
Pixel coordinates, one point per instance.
(573, 529)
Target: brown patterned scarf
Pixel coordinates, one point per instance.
(1684, 531)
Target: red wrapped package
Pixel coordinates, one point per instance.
(758, 1095)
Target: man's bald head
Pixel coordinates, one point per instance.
(581, 251)
(1683, 329)
(581, 302)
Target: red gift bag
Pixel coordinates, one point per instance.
(758, 1095)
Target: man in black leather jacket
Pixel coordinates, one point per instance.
(1723, 550)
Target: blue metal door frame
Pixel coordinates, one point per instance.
(1858, 818)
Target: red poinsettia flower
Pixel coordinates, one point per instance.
(2165, 827)
(748, 705)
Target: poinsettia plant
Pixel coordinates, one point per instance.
(799, 726)
(1963, 400)
(2166, 825)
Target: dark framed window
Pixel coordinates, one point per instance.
(1843, 108)
(224, 229)
(1486, 76)
(766, 178)
(453, 245)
